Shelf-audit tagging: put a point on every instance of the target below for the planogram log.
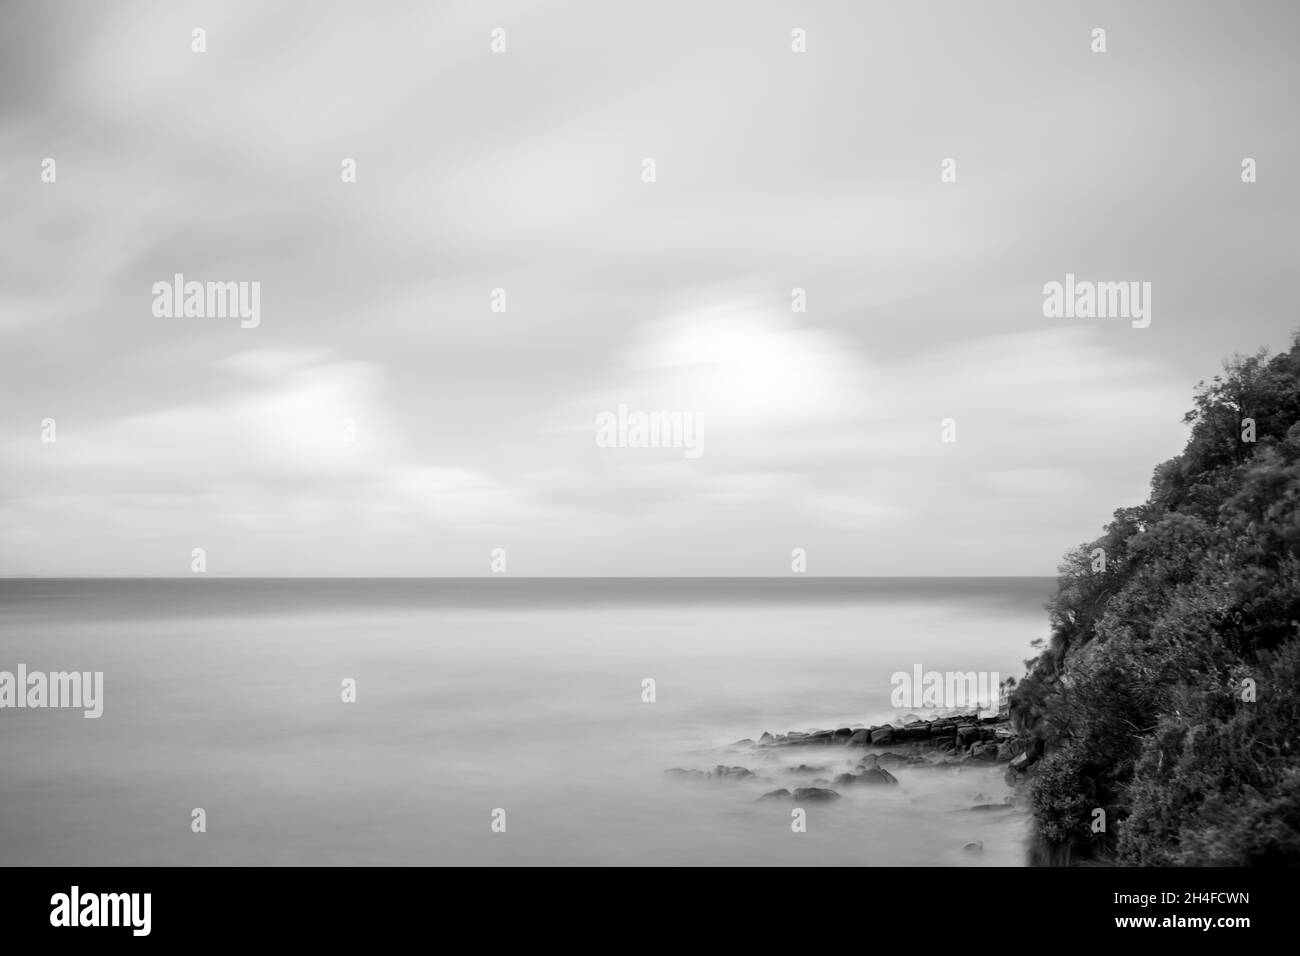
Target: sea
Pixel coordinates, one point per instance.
(493, 721)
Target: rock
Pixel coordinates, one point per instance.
(845, 732)
(870, 760)
(883, 736)
(967, 734)
(876, 775)
(815, 793)
(820, 737)
(805, 769)
(743, 743)
(717, 773)
(869, 776)
(975, 847)
(730, 773)
(986, 751)
(1022, 762)
(913, 732)
(782, 794)
(686, 774)
(860, 738)
(765, 738)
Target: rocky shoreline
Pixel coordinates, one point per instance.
(944, 742)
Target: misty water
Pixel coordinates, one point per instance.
(473, 695)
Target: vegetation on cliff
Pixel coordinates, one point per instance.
(1168, 694)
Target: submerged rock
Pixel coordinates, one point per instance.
(717, 773)
(782, 794)
(876, 775)
(803, 768)
(730, 773)
(870, 776)
(685, 774)
(815, 793)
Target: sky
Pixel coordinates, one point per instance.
(523, 170)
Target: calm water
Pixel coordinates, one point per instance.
(478, 694)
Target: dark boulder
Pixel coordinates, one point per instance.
(986, 751)
(1022, 762)
(730, 773)
(876, 776)
(815, 793)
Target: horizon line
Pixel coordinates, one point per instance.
(527, 577)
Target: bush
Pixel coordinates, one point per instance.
(1138, 696)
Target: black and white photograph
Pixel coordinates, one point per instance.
(596, 434)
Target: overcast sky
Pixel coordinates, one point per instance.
(522, 171)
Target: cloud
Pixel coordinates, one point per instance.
(521, 171)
